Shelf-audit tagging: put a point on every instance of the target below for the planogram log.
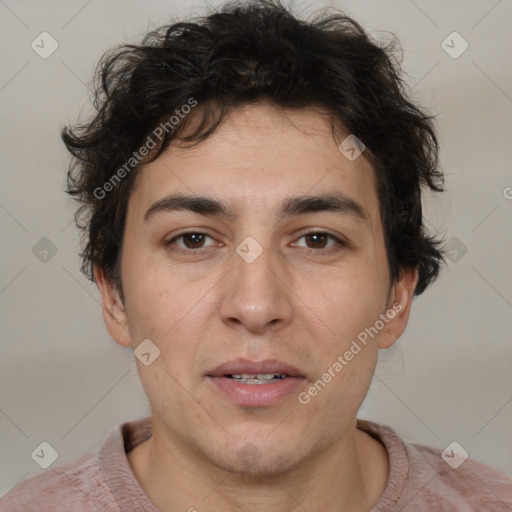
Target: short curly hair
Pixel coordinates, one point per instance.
(240, 54)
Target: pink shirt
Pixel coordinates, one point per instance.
(419, 480)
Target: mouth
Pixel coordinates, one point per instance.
(260, 378)
(255, 384)
(267, 369)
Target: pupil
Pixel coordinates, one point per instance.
(195, 237)
(318, 236)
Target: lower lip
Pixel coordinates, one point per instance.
(255, 395)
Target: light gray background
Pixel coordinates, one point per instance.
(64, 381)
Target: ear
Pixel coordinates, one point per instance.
(399, 307)
(113, 309)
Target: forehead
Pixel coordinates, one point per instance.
(258, 157)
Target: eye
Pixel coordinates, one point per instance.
(319, 240)
(194, 242)
(191, 240)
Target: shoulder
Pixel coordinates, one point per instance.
(78, 485)
(458, 479)
(101, 481)
(426, 478)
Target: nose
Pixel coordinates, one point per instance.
(256, 295)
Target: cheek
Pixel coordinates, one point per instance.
(174, 317)
(347, 350)
(345, 304)
(156, 299)
(337, 395)
(165, 390)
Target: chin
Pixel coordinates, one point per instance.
(258, 457)
(268, 466)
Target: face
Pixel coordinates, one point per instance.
(299, 286)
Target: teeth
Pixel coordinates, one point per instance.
(266, 376)
(258, 381)
(260, 378)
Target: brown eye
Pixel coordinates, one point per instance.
(189, 241)
(318, 240)
(193, 240)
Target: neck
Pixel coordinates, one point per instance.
(350, 476)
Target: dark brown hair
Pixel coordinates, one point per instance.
(242, 53)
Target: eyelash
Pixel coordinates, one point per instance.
(340, 244)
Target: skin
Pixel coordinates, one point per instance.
(302, 308)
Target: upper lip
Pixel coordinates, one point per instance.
(246, 366)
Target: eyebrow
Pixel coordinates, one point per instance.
(296, 205)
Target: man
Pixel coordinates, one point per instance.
(250, 189)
